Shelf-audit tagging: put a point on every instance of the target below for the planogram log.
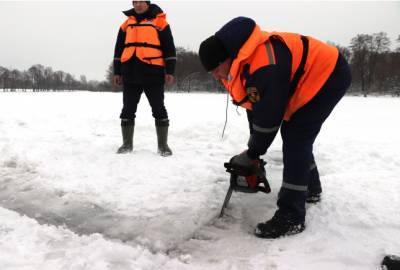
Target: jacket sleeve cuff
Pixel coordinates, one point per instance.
(170, 66)
(252, 154)
(258, 144)
(117, 67)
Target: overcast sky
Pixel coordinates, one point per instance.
(79, 36)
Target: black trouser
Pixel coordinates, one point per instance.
(131, 98)
(300, 173)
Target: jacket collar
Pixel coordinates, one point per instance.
(151, 13)
(256, 38)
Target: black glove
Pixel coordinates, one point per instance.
(245, 164)
(251, 169)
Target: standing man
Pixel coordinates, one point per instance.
(144, 59)
(285, 81)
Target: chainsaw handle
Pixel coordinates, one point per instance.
(239, 170)
(266, 188)
(228, 165)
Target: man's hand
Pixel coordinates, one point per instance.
(117, 80)
(244, 162)
(169, 79)
(249, 167)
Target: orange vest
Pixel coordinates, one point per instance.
(258, 52)
(142, 39)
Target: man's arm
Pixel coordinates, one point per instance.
(168, 49)
(268, 109)
(119, 48)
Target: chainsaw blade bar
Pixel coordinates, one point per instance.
(226, 201)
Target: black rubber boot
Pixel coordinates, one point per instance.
(162, 137)
(127, 128)
(278, 226)
(391, 262)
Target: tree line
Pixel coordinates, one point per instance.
(39, 78)
(375, 68)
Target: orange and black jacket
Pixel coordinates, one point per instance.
(272, 75)
(145, 50)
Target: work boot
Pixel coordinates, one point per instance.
(314, 185)
(277, 227)
(162, 137)
(127, 128)
(313, 197)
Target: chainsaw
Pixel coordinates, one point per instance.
(247, 180)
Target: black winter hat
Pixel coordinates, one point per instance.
(147, 2)
(212, 53)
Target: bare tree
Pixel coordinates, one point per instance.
(59, 80)
(83, 82)
(187, 63)
(15, 79)
(343, 50)
(361, 53)
(110, 73)
(4, 78)
(48, 82)
(379, 47)
(108, 83)
(37, 75)
(26, 81)
(69, 81)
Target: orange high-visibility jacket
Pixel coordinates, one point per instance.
(257, 52)
(142, 39)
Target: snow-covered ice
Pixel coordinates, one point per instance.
(67, 201)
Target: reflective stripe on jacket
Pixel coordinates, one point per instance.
(142, 39)
(257, 52)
